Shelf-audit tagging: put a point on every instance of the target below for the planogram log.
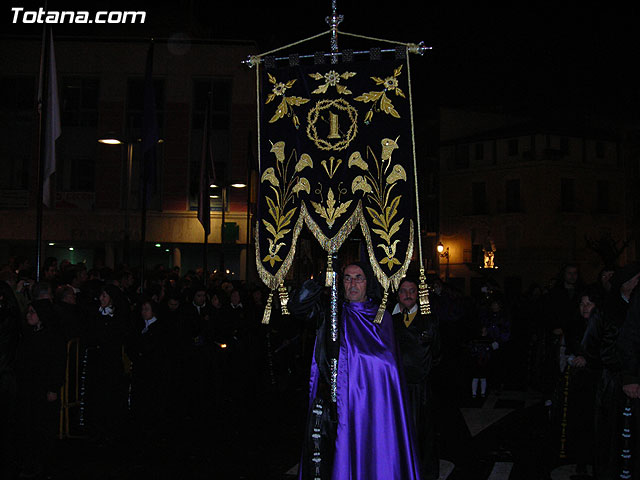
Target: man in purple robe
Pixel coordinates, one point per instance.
(374, 437)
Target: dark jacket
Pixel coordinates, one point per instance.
(419, 345)
(629, 343)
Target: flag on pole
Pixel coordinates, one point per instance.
(150, 135)
(48, 92)
(207, 171)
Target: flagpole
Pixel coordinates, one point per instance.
(43, 107)
(150, 137)
(204, 257)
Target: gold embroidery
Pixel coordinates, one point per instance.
(394, 280)
(283, 189)
(273, 281)
(304, 162)
(383, 307)
(267, 309)
(302, 185)
(379, 100)
(385, 208)
(333, 244)
(423, 294)
(287, 103)
(332, 79)
(284, 299)
(331, 170)
(319, 112)
(330, 213)
(355, 160)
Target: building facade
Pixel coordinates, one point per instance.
(536, 196)
(96, 189)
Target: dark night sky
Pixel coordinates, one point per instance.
(516, 56)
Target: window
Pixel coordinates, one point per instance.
(567, 195)
(221, 92)
(564, 145)
(512, 196)
(479, 198)
(479, 151)
(600, 149)
(513, 147)
(462, 156)
(134, 129)
(79, 102)
(18, 133)
(76, 147)
(603, 205)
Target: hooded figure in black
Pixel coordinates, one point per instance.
(40, 367)
(9, 337)
(107, 395)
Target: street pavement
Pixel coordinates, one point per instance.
(503, 436)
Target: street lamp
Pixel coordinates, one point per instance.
(444, 253)
(225, 193)
(114, 139)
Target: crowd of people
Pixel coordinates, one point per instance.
(193, 347)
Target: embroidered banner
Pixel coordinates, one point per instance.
(336, 153)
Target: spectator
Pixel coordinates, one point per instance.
(40, 369)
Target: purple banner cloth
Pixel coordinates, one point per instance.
(374, 435)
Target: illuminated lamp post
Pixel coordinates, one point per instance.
(444, 253)
(113, 139)
(224, 193)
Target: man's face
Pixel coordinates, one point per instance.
(50, 272)
(173, 304)
(355, 284)
(199, 298)
(70, 298)
(146, 311)
(235, 297)
(408, 295)
(570, 275)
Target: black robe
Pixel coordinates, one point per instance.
(419, 349)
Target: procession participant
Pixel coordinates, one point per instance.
(374, 435)
(419, 348)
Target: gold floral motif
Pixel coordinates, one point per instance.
(360, 183)
(379, 100)
(396, 174)
(283, 186)
(287, 103)
(332, 166)
(383, 207)
(304, 162)
(355, 160)
(302, 185)
(330, 212)
(332, 79)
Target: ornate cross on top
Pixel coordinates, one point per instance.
(334, 20)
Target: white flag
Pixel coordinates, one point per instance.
(52, 127)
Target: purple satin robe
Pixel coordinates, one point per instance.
(374, 434)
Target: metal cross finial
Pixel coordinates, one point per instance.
(333, 22)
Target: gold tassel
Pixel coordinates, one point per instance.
(284, 299)
(383, 308)
(267, 309)
(329, 275)
(423, 294)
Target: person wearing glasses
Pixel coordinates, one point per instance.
(373, 433)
